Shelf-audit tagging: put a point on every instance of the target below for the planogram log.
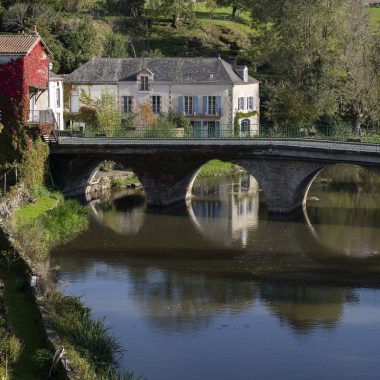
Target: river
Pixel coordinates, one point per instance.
(220, 290)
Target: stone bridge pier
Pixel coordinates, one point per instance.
(167, 180)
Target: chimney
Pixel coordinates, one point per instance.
(34, 31)
(242, 71)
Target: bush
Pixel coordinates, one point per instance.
(162, 128)
(43, 361)
(33, 165)
(107, 166)
(10, 348)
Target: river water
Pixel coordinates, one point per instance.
(220, 290)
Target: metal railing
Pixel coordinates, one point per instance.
(40, 116)
(8, 178)
(216, 132)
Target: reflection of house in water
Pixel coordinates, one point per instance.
(124, 213)
(305, 307)
(228, 209)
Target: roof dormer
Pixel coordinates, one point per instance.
(144, 78)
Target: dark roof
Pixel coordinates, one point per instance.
(178, 70)
(54, 76)
(19, 44)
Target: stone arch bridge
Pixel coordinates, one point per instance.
(284, 168)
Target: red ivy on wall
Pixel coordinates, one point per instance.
(16, 77)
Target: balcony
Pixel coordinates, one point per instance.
(40, 116)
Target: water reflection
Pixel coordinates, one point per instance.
(183, 294)
(346, 218)
(122, 212)
(180, 301)
(226, 210)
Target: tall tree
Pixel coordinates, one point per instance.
(299, 57)
(360, 66)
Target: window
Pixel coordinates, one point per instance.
(127, 104)
(189, 108)
(188, 76)
(144, 85)
(250, 103)
(211, 76)
(58, 92)
(241, 103)
(156, 104)
(211, 105)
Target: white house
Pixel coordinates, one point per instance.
(211, 92)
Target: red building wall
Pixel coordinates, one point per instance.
(16, 77)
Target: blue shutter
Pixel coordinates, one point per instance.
(205, 129)
(197, 128)
(195, 104)
(180, 104)
(217, 129)
(218, 105)
(205, 105)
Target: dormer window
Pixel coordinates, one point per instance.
(211, 76)
(188, 76)
(144, 83)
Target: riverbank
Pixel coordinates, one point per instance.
(34, 225)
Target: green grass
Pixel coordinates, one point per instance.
(32, 212)
(24, 321)
(216, 168)
(375, 15)
(219, 13)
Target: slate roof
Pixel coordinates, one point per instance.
(176, 70)
(19, 44)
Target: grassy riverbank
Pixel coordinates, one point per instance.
(217, 168)
(92, 351)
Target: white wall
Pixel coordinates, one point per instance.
(247, 90)
(56, 101)
(170, 94)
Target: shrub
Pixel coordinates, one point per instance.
(43, 361)
(33, 164)
(107, 166)
(10, 348)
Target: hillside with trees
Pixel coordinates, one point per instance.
(318, 61)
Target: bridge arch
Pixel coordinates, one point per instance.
(284, 168)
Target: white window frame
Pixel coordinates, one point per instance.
(211, 105)
(144, 83)
(250, 103)
(156, 104)
(241, 102)
(127, 104)
(188, 105)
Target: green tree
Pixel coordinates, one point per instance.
(299, 55)
(178, 10)
(360, 66)
(108, 113)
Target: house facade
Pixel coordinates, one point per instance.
(28, 89)
(209, 91)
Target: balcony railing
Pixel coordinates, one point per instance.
(40, 116)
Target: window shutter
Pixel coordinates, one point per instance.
(205, 105)
(197, 127)
(217, 129)
(195, 104)
(218, 105)
(181, 107)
